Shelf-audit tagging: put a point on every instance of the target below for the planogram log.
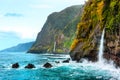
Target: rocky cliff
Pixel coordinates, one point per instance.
(98, 15)
(58, 31)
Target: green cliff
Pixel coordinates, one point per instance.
(58, 31)
(98, 15)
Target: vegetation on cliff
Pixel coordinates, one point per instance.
(58, 31)
(97, 14)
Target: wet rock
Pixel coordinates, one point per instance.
(118, 51)
(16, 65)
(114, 58)
(92, 57)
(30, 66)
(47, 65)
(66, 61)
(57, 61)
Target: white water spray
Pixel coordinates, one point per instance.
(101, 48)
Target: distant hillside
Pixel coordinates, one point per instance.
(58, 31)
(19, 48)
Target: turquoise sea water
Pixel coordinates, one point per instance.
(61, 71)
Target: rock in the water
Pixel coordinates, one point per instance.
(16, 65)
(66, 61)
(57, 61)
(47, 65)
(30, 66)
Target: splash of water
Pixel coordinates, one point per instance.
(101, 48)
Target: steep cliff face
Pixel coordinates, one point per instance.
(58, 31)
(98, 15)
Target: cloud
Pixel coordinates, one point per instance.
(41, 6)
(1, 15)
(7, 35)
(9, 39)
(13, 15)
(22, 32)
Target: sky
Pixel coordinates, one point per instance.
(21, 20)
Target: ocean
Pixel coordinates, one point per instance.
(60, 71)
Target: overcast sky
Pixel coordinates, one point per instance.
(21, 20)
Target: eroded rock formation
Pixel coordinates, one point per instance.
(98, 15)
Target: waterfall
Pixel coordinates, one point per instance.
(54, 46)
(101, 48)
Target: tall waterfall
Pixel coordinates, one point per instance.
(101, 48)
(54, 46)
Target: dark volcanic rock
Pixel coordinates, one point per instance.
(30, 66)
(16, 65)
(92, 57)
(47, 65)
(113, 57)
(66, 61)
(57, 61)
